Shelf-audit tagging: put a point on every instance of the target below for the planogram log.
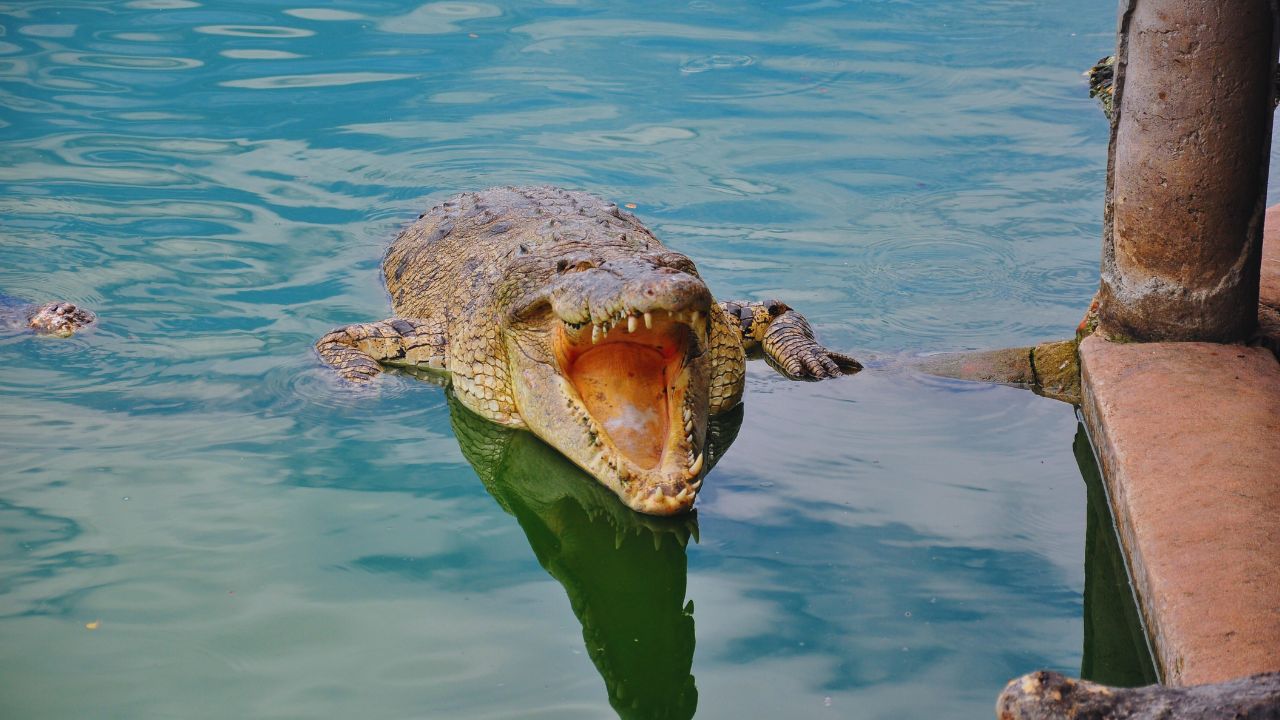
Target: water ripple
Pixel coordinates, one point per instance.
(438, 18)
(716, 62)
(278, 82)
(48, 31)
(324, 14)
(251, 54)
(255, 31)
(129, 62)
(305, 389)
(162, 4)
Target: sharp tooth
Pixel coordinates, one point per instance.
(696, 485)
(688, 427)
(595, 334)
(689, 439)
(687, 413)
(631, 323)
(694, 317)
(694, 533)
(657, 542)
(648, 320)
(696, 467)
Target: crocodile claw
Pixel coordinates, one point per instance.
(818, 363)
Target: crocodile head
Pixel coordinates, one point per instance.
(609, 364)
(60, 319)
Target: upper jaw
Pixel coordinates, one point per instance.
(600, 297)
(630, 320)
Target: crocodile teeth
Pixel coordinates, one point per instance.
(648, 320)
(687, 413)
(688, 426)
(631, 323)
(696, 467)
(595, 334)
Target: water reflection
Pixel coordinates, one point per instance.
(1115, 649)
(624, 573)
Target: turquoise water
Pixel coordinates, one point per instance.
(196, 522)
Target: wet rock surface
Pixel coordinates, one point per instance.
(1050, 696)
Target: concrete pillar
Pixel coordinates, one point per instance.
(1187, 169)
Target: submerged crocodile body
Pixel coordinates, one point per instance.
(554, 311)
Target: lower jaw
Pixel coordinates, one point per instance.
(634, 394)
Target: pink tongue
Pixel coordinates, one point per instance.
(624, 388)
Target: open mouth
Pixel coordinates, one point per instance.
(631, 374)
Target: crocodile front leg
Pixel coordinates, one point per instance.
(359, 351)
(787, 341)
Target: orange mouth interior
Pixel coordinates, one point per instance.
(628, 381)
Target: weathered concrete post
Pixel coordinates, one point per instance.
(1187, 169)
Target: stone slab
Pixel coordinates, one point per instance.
(1188, 435)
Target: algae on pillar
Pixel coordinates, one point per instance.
(1188, 161)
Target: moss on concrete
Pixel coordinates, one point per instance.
(1057, 369)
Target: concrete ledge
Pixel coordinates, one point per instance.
(1188, 435)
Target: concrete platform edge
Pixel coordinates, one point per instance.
(1123, 526)
(1187, 436)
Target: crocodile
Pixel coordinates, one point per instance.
(557, 312)
(57, 319)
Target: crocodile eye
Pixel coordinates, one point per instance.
(676, 261)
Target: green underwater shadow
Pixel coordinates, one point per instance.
(624, 573)
(1115, 642)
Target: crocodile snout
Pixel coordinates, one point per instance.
(655, 285)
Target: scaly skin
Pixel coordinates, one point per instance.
(556, 312)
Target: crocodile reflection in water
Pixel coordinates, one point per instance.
(624, 572)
